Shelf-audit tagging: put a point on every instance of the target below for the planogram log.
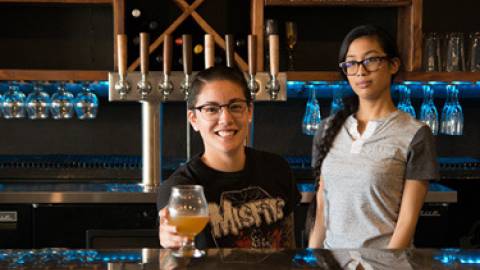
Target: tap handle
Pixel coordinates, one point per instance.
(144, 55)
(273, 42)
(187, 54)
(122, 54)
(229, 52)
(209, 51)
(167, 55)
(252, 54)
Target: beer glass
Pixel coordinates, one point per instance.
(474, 52)
(455, 53)
(431, 52)
(188, 211)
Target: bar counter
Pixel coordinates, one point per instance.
(241, 259)
(108, 192)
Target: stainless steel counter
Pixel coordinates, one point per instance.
(51, 192)
(437, 193)
(98, 192)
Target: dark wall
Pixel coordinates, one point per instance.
(80, 37)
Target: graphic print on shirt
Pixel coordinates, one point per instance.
(249, 218)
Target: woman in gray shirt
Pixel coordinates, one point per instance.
(373, 161)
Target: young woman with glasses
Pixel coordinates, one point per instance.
(251, 194)
(372, 161)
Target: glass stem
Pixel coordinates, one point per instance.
(188, 245)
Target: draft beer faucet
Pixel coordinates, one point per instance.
(122, 86)
(144, 86)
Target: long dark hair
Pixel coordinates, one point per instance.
(351, 103)
(217, 73)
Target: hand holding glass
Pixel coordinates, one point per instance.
(188, 210)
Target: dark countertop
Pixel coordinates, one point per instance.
(108, 192)
(243, 259)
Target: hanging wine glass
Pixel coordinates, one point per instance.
(38, 103)
(86, 103)
(428, 111)
(337, 93)
(311, 118)
(13, 103)
(62, 103)
(405, 103)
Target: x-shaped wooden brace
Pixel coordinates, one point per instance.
(189, 10)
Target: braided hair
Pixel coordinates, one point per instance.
(335, 123)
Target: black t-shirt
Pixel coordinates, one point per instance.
(252, 208)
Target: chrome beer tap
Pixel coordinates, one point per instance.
(187, 65)
(122, 86)
(144, 86)
(273, 85)
(252, 65)
(166, 85)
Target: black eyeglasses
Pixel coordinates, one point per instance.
(370, 64)
(211, 112)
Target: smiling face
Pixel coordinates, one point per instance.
(227, 134)
(371, 85)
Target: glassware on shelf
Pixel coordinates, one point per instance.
(432, 60)
(337, 94)
(291, 36)
(474, 52)
(312, 117)
(455, 59)
(62, 103)
(86, 103)
(405, 103)
(428, 111)
(188, 211)
(38, 103)
(13, 102)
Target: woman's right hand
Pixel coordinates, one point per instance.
(169, 238)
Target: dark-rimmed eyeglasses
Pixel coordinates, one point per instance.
(211, 112)
(370, 64)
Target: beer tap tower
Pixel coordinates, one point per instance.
(175, 86)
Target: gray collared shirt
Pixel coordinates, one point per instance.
(365, 175)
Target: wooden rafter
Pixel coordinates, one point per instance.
(189, 10)
(168, 31)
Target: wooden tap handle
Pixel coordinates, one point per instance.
(144, 55)
(167, 54)
(252, 54)
(229, 50)
(122, 54)
(274, 61)
(209, 51)
(187, 54)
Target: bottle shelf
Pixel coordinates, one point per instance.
(58, 1)
(362, 3)
(52, 75)
(403, 76)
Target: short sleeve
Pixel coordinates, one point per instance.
(165, 188)
(422, 157)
